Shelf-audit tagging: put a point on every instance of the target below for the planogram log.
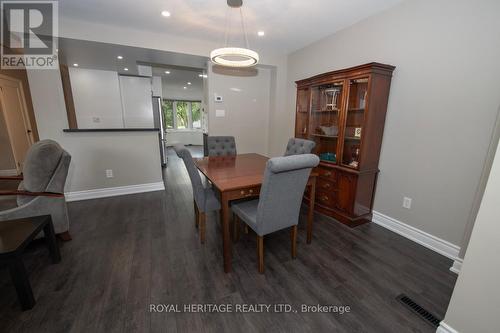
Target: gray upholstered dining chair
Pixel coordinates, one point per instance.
(278, 206)
(221, 145)
(205, 199)
(41, 191)
(298, 146)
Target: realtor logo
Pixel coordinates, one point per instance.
(29, 34)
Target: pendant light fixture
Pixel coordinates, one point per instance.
(235, 56)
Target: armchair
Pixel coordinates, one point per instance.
(41, 191)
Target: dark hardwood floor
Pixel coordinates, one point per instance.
(132, 251)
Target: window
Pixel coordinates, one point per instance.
(181, 114)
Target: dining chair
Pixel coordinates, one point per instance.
(205, 199)
(221, 145)
(298, 146)
(278, 206)
(41, 190)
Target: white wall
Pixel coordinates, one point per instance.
(133, 156)
(96, 94)
(176, 91)
(442, 106)
(137, 103)
(246, 102)
(474, 305)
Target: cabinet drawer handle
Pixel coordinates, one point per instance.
(242, 192)
(251, 191)
(324, 198)
(326, 185)
(328, 173)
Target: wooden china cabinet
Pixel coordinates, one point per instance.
(344, 113)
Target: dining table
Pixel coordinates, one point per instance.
(237, 177)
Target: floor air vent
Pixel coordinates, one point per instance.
(420, 311)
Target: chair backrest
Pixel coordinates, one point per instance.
(285, 179)
(45, 169)
(298, 146)
(221, 145)
(194, 175)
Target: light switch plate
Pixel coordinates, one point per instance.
(220, 113)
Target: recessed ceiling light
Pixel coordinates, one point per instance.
(261, 33)
(119, 57)
(76, 65)
(167, 72)
(165, 13)
(125, 69)
(189, 83)
(185, 87)
(200, 75)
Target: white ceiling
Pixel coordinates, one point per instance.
(179, 78)
(289, 24)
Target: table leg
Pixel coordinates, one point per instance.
(310, 213)
(50, 238)
(226, 234)
(21, 282)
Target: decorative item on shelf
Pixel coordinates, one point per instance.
(330, 157)
(357, 132)
(331, 97)
(362, 102)
(304, 131)
(329, 130)
(355, 157)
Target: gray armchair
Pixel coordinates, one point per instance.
(298, 146)
(205, 199)
(41, 191)
(278, 206)
(221, 145)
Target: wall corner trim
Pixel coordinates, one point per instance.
(113, 191)
(457, 266)
(445, 328)
(423, 238)
(8, 173)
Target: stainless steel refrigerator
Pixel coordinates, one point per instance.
(158, 123)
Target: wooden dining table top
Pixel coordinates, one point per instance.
(233, 172)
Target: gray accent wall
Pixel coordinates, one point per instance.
(442, 107)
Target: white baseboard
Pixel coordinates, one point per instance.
(434, 243)
(113, 191)
(445, 328)
(457, 266)
(8, 173)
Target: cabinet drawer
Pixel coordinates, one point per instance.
(327, 174)
(325, 185)
(325, 198)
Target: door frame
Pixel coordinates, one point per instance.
(25, 115)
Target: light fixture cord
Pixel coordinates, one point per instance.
(228, 25)
(244, 30)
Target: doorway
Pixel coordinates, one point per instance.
(14, 111)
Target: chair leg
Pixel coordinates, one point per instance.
(260, 253)
(236, 228)
(196, 215)
(202, 227)
(293, 237)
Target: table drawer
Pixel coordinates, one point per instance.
(244, 193)
(327, 173)
(326, 198)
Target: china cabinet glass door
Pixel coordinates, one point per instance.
(354, 122)
(326, 104)
(302, 114)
